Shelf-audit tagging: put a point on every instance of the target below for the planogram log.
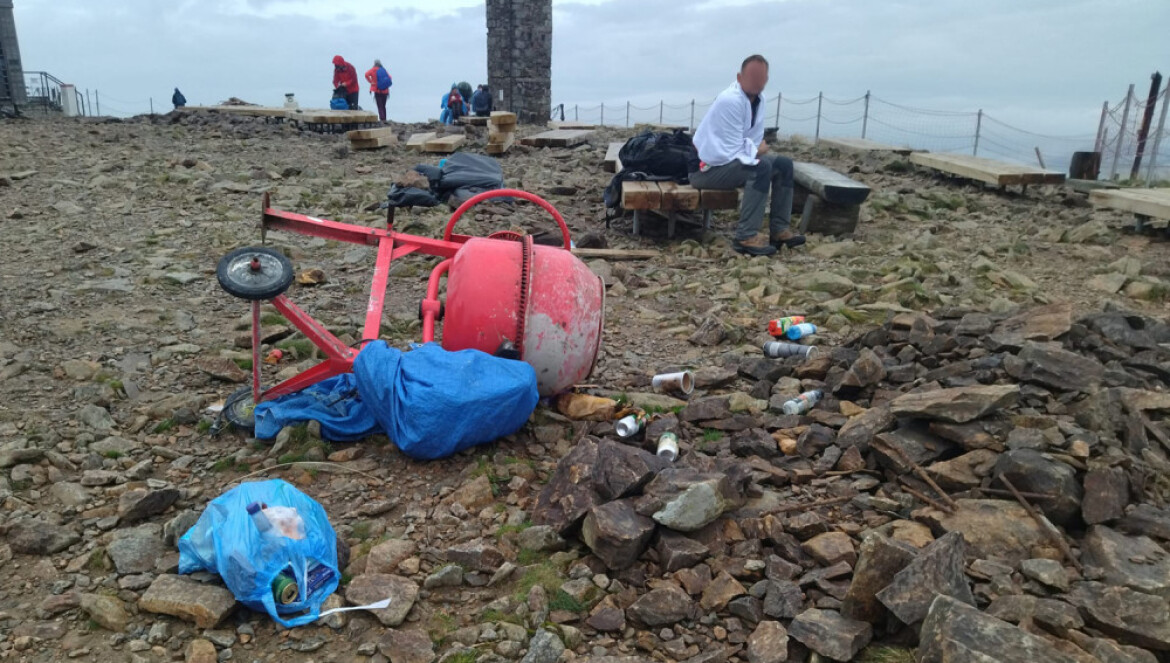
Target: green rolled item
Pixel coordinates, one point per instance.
(284, 589)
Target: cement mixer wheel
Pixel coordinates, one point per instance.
(254, 273)
(238, 409)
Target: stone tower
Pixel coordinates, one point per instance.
(11, 74)
(520, 57)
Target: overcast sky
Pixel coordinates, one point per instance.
(1044, 65)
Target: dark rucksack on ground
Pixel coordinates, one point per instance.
(654, 156)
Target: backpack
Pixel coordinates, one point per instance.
(338, 104)
(663, 156)
(384, 80)
(455, 100)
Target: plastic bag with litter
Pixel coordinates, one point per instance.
(272, 545)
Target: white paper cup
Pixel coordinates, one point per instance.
(627, 426)
(683, 382)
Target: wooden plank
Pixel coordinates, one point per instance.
(571, 125)
(612, 163)
(679, 197)
(505, 144)
(333, 116)
(474, 120)
(373, 143)
(641, 195)
(829, 185)
(1147, 202)
(444, 145)
(418, 141)
(498, 137)
(558, 138)
(719, 198)
(863, 145)
(1086, 186)
(990, 171)
(503, 119)
(370, 134)
(617, 254)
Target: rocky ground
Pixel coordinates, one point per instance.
(980, 341)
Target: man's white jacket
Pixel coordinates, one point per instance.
(727, 132)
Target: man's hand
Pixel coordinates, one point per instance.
(763, 149)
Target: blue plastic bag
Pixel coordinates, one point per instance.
(333, 402)
(433, 403)
(226, 541)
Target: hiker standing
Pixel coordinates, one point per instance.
(380, 82)
(178, 99)
(733, 153)
(481, 102)
(344, 75)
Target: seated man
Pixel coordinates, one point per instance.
(732, 153)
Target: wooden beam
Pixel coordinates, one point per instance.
(829, 185)
(370, 134)
(558, 138)
(418, 141)
(1087, 186)
(679, 197)
(503, 119)
(474, 120)
(571, 125)
(1147, 202)
(333, 116)
(719, 198)
(863, 145)
(373, 143)
(616, 254)
(998, 173)
(444, 145)
(501, 146)
(612, 163)
(641, 195)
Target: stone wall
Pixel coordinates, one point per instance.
(520, 57)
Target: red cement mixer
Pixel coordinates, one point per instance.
(503, 291)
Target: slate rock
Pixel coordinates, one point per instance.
(622, 470)
(954, 632)
(860, 430)
(676, 551)
(956, 405)
(205, 605)
(768, 643)
(1134, 618)
(830, 548)
(880, 558)
(938, 569)
(1137, 562)
(107, 611)
(407, 646)
(136, 553)
(1035, 472)
(1106, 495)
(665, 606)
(1049, 613)
(545, 647)
(569, 495)
(866, 371)
(829, 634)
(387, 555)
(372, 587)
(706, 409)
(1055, 368)
(783, 600)
(994, 529)
(142, 503)
(36, 537)
(1047, 572)
(617, 534)
(722, 589)
(754, 442)
(691, 500)
(1146, 519)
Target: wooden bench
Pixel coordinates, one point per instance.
(990, 171)
(863, 145)
(832, 201)
(1145, 204)
(671, 198)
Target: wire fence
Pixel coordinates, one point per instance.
(970, 132)
(1119, 137)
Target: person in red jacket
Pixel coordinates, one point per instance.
(344, 74)
(380, 83)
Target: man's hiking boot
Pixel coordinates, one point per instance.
(787, 238)
(754, 246)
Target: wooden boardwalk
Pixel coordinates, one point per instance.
(1153, 203)
(999, 173)
(558, 138)
(863, 145)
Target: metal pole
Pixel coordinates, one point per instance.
(1040, 158)
(1098, 145)
(1144, 130)
(1121, 133)
(865, 115)
(820, 98)
(978, 128)
(1158, 136)
(627, 113)
(660, 107)
(152, 106)
(778, 95)
(98, 100)
(576, 117)
(692, 124)
(88, 104)
(603, 113)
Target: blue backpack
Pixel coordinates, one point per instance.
(338, 104)
(384, 80)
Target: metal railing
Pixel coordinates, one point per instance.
(45, 93)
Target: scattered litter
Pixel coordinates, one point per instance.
(780, 326)
(682, 382)
(668, 446)
(584, 407)
(779, 350)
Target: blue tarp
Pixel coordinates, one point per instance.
(430, 402)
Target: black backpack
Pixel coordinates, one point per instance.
(650, 156)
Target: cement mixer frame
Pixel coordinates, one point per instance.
(270, 274)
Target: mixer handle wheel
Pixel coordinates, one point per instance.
(510, 193)
(254, 273)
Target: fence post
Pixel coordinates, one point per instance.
(978, 128)
(820, 98)
(691, 126)
(1098, 144)
(603, 113)
(778, 96)
(88, 104)
(660, 107)
(152, 106)
(1158, 136)
(627, 114)
(1121, 133)
(865, 115)
(1144, 128)
(576, 115)
(98, 101)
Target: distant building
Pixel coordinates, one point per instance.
(519, 46)
(11, 74)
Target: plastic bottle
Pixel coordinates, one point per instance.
(779, 350)
(803, 403)
(256, 511)
(800, 331)
(780, 326)
(668, 446)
